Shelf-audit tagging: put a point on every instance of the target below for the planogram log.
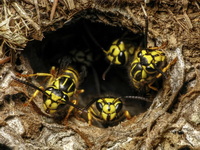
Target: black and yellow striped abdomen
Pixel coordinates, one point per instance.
(146, 66)
(61, 90)
(66, 84)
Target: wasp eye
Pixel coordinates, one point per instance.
(65, 97)
(122, 58)
(139, 54)
(118, 107)
(121, 54)
(99, 106)
(50, 89)
(159, 64)
(150, 69)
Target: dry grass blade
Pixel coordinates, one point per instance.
(11, 37)
(189, 23)
(71, 4)
(25, 20)
(4, 60)
(24, 15)
(37, 11)
(185, 7)
(55, 3)
(181, 24)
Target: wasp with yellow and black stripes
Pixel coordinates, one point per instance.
(145, 65)
(109, 110)
(60, 89)
(148, 64)
(120, 52)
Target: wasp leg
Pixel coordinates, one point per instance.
(35, 74)
(33, 96)
(167, 67)
(80, 91)
(89, 117)
(152, 87)
(160, 74)
(53, 70)
(39, 74)
(52, 75)
(127, 114)
(157, 48)
(71, 108)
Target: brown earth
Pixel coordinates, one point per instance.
(171, 122)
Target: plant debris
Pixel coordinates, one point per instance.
(172, 120)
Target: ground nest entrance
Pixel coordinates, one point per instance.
(80, 43)
(77, 31)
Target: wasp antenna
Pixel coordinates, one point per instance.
(146, 26)
(104, 51)
(160, 71)
(105, 72)
(91, 36)
(145, 13)
(96, 80)
(90, 103)
(29, 84)
(75, 106)
(137, 97)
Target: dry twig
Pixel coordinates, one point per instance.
(24, 15)
(181, 24)
(37, 11)
(55, 3)
(4, 60)
(185, 7)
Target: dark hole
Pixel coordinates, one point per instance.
(75, 36)
(184, 148)
(5, 147)
(17, 61)
(18, 96)
(7, 98)
(41, 127)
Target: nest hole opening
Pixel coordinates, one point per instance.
(81, 41)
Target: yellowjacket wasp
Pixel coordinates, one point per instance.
(109, 110)
(145, 65)
(59, 91)
(148, 64)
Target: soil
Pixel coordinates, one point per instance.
(34, 37)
